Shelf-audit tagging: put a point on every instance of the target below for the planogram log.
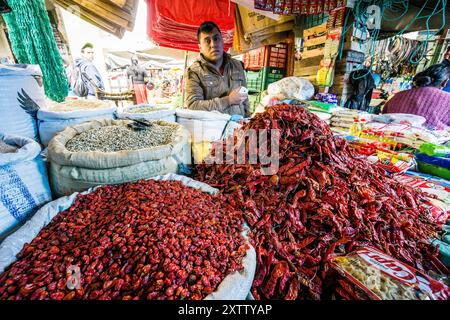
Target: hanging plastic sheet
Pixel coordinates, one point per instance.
(174, 24)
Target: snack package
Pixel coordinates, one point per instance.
(304, 8)
(278, 6)
(260, 4)
(390, 163)
(432, 187)
(296, 6)
(269, 5)
(320, 6)
(438, 189)
(288, 7)
(381, 277)
(428, 177)
(312, 7)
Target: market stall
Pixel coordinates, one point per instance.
(303, 200)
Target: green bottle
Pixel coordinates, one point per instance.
(434, 150)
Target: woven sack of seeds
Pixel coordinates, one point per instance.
(58, 116)
(113, 152)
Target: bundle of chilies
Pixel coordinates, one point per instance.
(142, 240)
(325, 201)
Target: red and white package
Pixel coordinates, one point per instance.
(296, 6)
(312, 7)
(332, 4)
(278, 6)
(269, 5)
(260, 4)
(288, 7)
(304, 8)
(382, 277)
(320, 6)
(439, 200)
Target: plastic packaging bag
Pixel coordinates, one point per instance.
(382, 277)
(292, 87)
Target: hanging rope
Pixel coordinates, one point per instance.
(33, 42)
(412, 52)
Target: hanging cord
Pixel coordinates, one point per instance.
(424, 46)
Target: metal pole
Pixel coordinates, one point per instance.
(184, 78)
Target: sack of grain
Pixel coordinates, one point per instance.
(234, 286)
(21, 96)
(203, 125)
(110, 152)
(58, 116)
(24, 184)
(148, 112)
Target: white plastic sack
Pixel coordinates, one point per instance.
(24, 184)
(322, 115)
(168, 115)
(203, 125)
(235, 286)
(50, 122)
(78, 171)
(292, 88)
(21, 96)
(414, 120)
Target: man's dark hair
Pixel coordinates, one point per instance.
(87, 45)
(206, 27)
(434, 76)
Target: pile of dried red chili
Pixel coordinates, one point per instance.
(323, 202)
(143, 240)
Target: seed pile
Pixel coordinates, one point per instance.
(146, 109)
(323, 202)
(6, 148)
(142, 240)
(80, 104)
(119, 137)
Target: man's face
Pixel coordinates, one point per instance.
(211, 45)
(88, 54)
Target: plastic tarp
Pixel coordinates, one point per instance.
(174, 24)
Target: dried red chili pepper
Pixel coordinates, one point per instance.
(325, 201)
(129, 242)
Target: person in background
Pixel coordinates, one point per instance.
(426, 98)
(447, 63)
(137, 75)
(86, 66)
(213, 82)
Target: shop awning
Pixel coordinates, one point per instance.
(113, 16)
(392, 24)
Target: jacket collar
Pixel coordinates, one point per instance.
(204, 63)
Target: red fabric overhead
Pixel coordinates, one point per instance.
(174, 24)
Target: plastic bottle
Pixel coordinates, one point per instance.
(434, 150)
(354, 129)
(362, 125)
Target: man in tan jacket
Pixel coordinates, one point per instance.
(214, 80)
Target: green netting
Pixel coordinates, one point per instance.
(32, 41)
